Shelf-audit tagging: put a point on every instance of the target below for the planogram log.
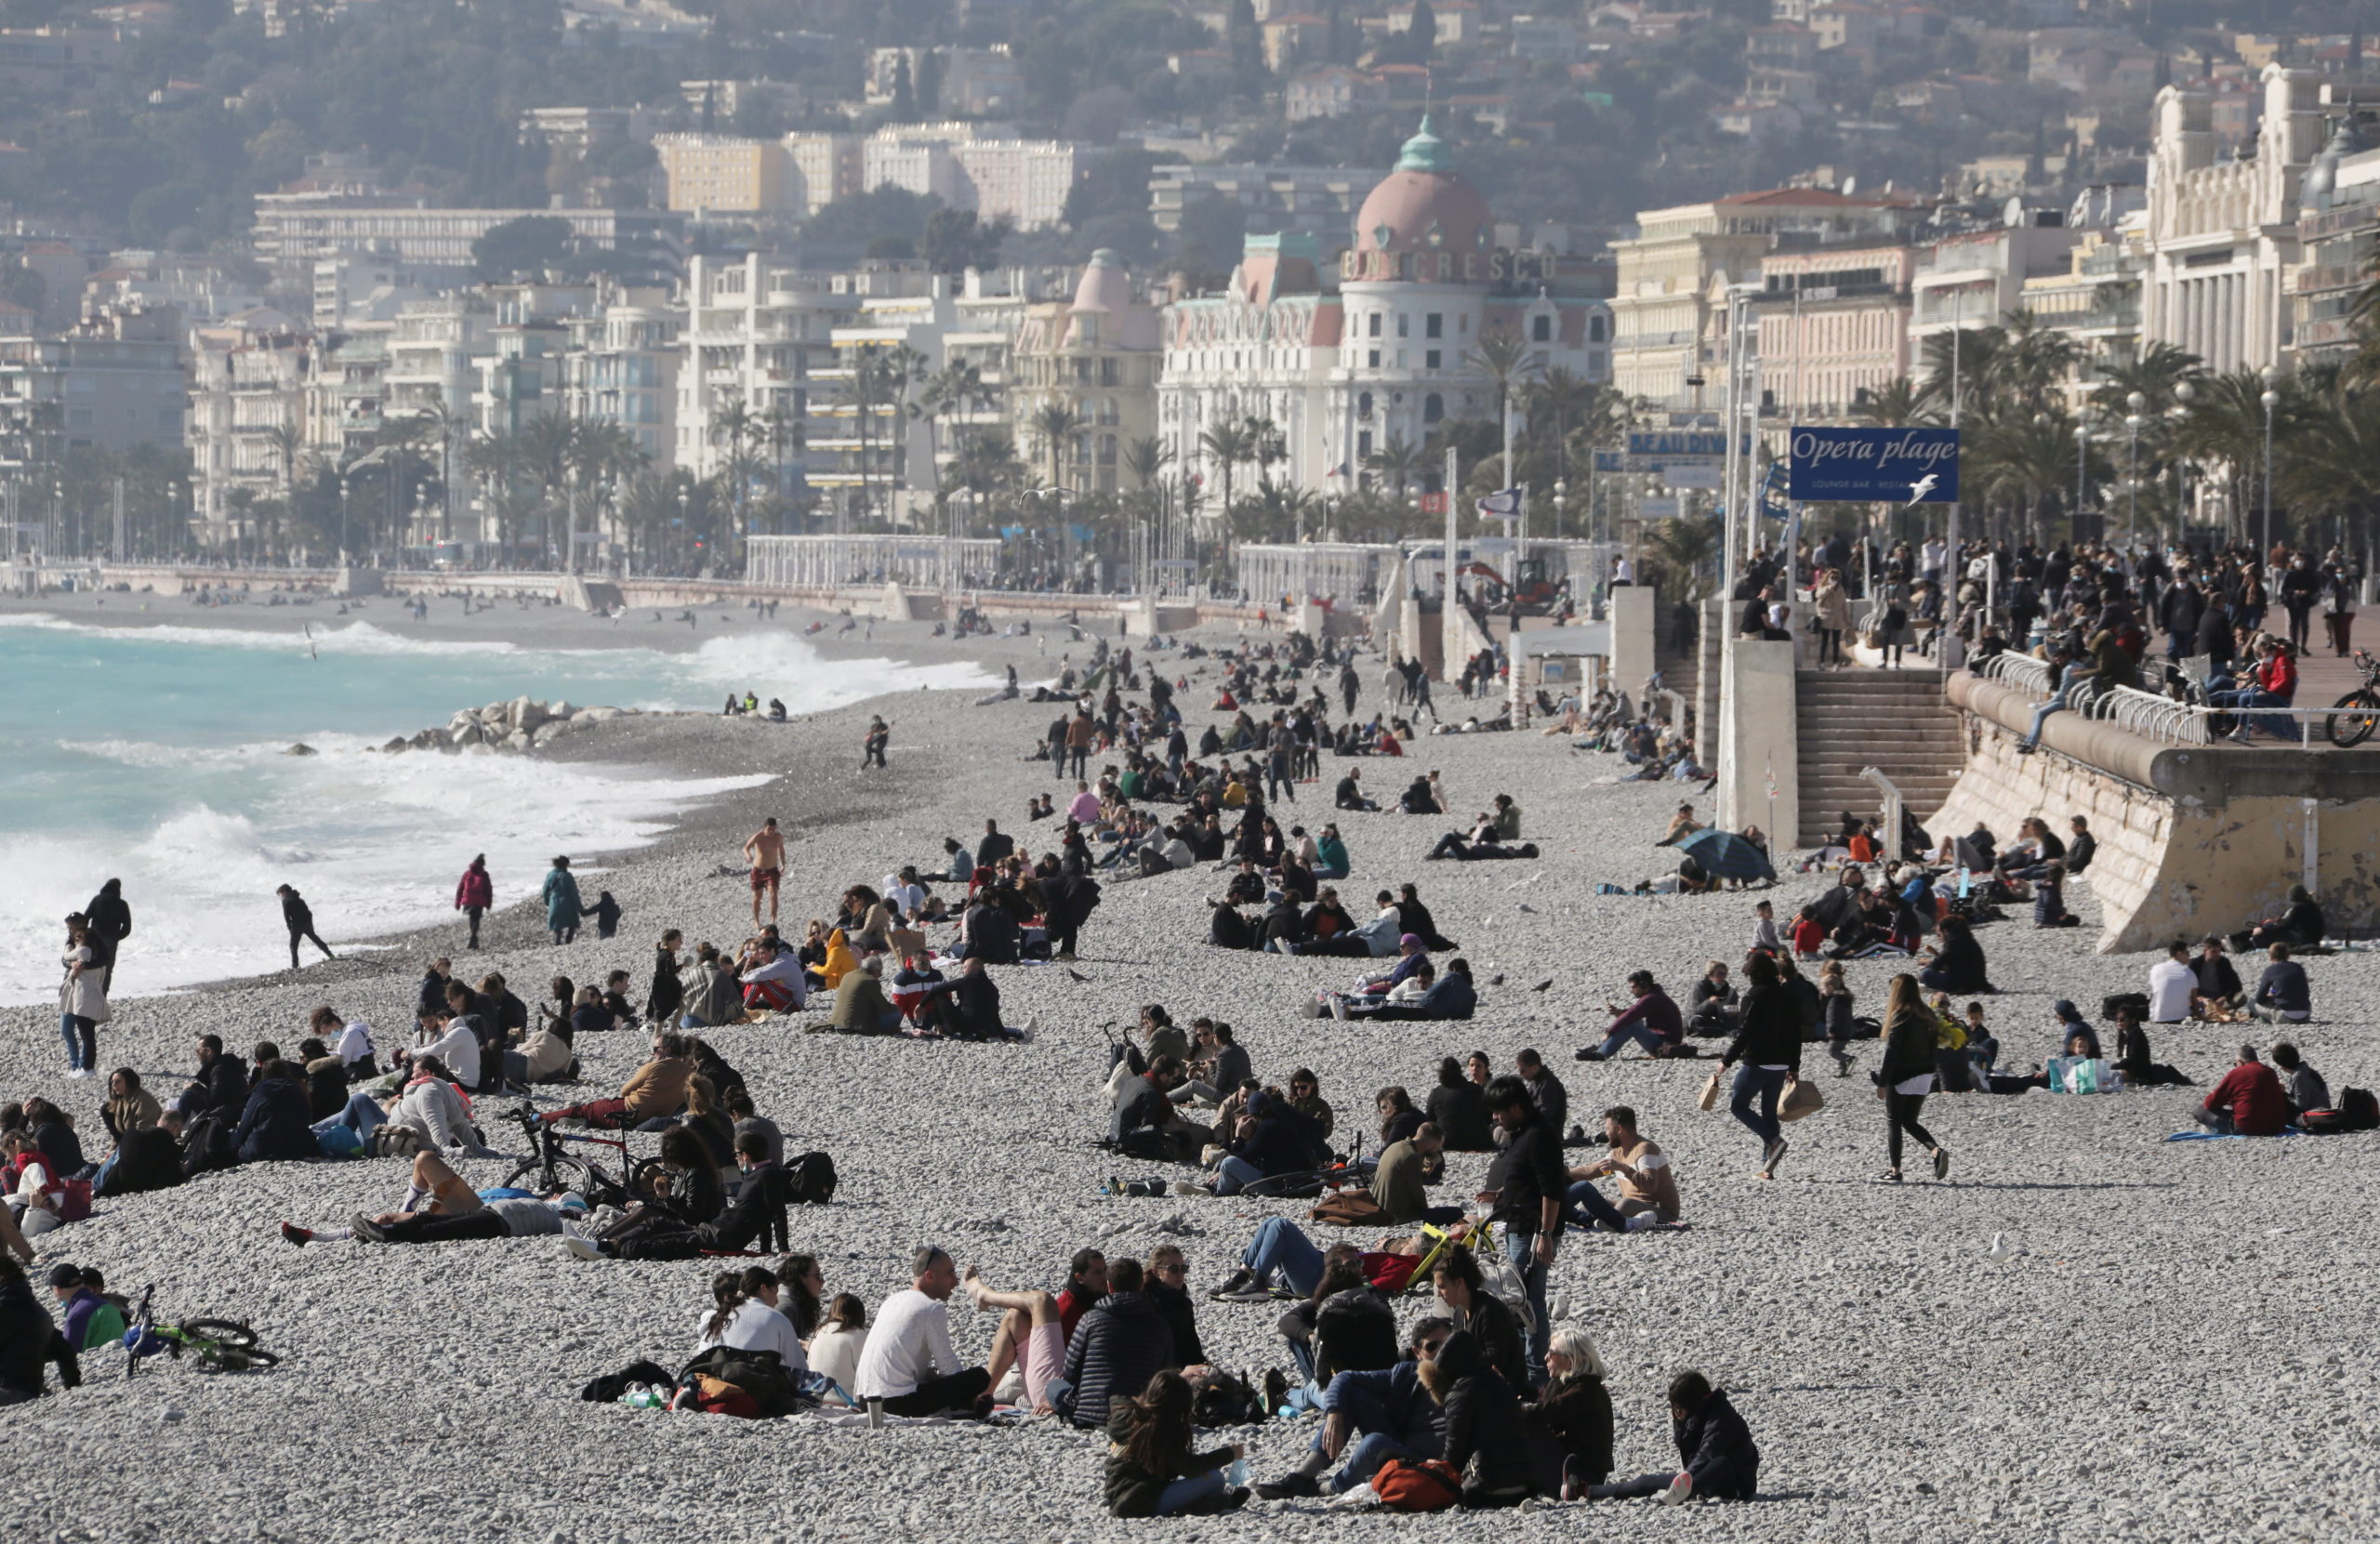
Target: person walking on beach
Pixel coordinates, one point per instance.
(765, 852)
(299, 917)
(871, 754)
(563, 906)
(474, 894)
(1907, 1075)
(109, 921)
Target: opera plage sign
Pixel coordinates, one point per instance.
(1438, 266)
(1898, 466)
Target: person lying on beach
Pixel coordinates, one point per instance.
(441, 1207)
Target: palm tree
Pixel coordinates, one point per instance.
(1556, 399)
(2155, 374)
(947, 390)
(1147, 459)
(986, 462)
(1266, 445)
(444, 424)
(1398, 461)
(289, 442)
(1055, 424)
(1228, 444)
(1505, 358)
(1896, 404)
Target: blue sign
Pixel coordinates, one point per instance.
(1861, 466)
(1675, 442)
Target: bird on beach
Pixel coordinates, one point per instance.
(1919, 489)
(2000, 1251)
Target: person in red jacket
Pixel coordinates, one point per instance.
(2247, 1102)
(474, 893)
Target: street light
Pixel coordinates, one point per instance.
(342, 522)
(2271, 400)
(1561, 492)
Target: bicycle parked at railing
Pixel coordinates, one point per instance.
(553, 1171)
(216, 1345)
(2355, 716)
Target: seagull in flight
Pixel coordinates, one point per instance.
(1919, 489)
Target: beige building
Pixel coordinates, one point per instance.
(825, 167)
(1833, 327)
(1669, 313)
(2223, 235)
(1097, 354)
(726, 173)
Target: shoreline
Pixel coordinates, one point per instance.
(648, 743)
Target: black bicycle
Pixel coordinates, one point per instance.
(216, 1345)
(552, 1170)
(2355, 716)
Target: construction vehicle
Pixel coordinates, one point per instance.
(1539, 596)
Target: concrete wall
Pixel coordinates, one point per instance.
(1709, 645)
(2193, 839)
(1635, 609)
(1758, 739)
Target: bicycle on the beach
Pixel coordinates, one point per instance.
(2355, 716)
(551, 1170)
(216, 1345)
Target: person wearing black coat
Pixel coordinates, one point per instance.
(1958, 963)
(1116, 1348)
(1907, 1073)
(667, 995)
(1569, 1422)
(1285, 925)
(299, 919)
(1167, 1271)
(1067, 903)
(1416, 919)
(1458, 1108)
(30, 1339)
(276, 1124)
(148, 1157)
(107, 922)
(992, 934)
(220, 1083)
(1767, 1055)
(1486, 1441)
(1347, 1325)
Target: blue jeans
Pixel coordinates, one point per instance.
(1521, 1249)
(1754, 1085)
(363, 1115)
(1588, 1207)
(1188, 1493)
(2057, 704)
(1364, 1456)
(82, 1038)
(1234, 1175)
(1638, 1034)
(1280, 1248)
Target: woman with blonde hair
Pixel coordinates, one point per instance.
(1907, 1075)
(1569, 1424)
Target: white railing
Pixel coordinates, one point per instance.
(2020, 672)
(2152, 717)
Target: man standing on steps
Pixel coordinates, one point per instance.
(765, 852)
(300, 919)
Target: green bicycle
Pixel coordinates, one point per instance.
(216, 1345)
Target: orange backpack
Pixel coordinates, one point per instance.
(1428, 1484)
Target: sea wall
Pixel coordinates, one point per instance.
(2193, 839)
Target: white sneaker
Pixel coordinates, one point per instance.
(1338, 1008)
(579, 1248)
(1681, 1490)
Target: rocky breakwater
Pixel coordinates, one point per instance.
(523, 724)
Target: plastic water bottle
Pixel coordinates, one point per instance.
(643, 1396)
(1237, 1475)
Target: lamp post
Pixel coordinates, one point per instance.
(1561, 492)
(681, 510)
(2081, 465)
(2271, 400)
(342, 522)
(2132, 423)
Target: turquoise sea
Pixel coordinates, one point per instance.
(158, 756)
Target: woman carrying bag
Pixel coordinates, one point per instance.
(82, 999)
(1907, 1075)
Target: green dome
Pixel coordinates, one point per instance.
(1426, 152)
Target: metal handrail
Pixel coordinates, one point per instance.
(2021, 672)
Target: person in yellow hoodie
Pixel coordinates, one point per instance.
(841, 960)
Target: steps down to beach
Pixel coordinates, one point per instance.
(1894, 720)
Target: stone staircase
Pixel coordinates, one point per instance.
(1894, 720)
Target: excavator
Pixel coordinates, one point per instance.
(1538, 594)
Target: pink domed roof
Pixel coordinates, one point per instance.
(1424, 203)
(1105, 286)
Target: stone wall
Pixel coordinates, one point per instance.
(1759, 739)
(2193, 839)
(1636, 609)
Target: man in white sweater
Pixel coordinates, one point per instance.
(908, 1362)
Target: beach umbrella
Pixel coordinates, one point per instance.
(1724, 855)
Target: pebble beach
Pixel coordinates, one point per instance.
(2177, 1344)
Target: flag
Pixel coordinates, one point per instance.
(1338, 470)
(1504, 504)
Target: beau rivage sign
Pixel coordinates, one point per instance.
(1901, 466)
(1436, 266)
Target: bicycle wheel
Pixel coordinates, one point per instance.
(223, 1332)
(2347, 730)
(237, 1359)
(569, 1173)
(641, 1175)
